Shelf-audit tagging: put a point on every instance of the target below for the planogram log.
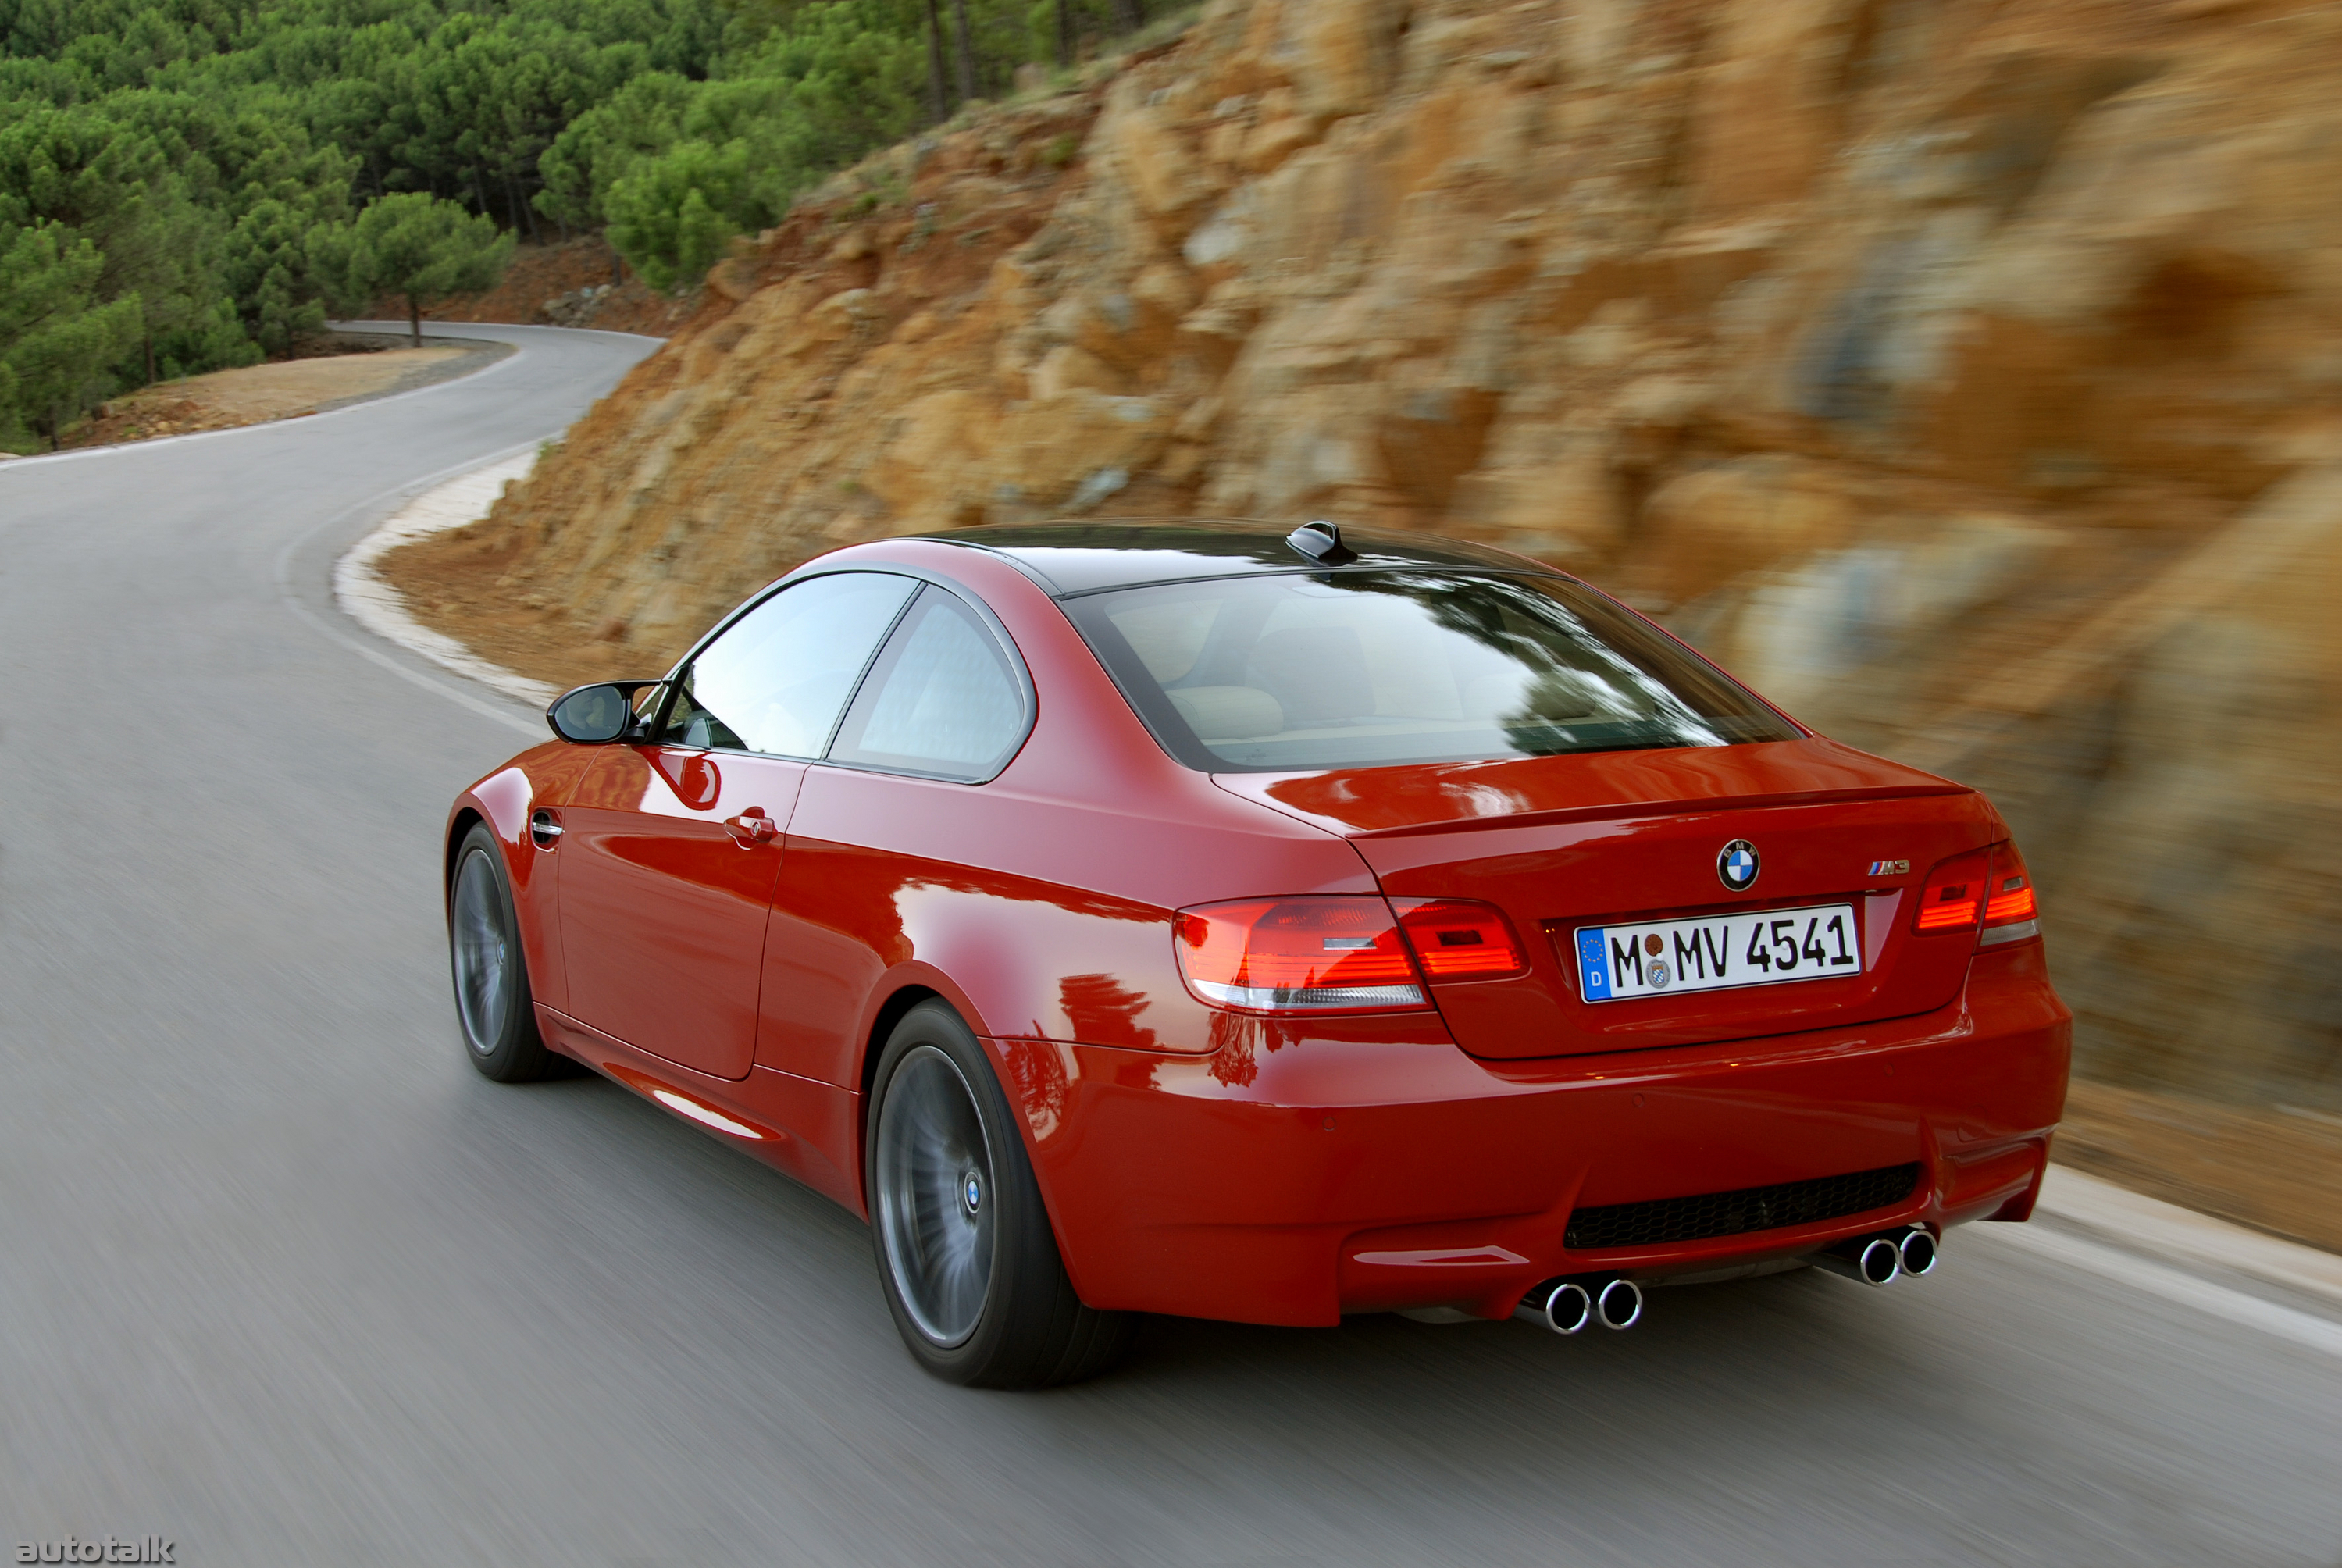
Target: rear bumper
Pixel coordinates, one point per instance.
(1292, 1178)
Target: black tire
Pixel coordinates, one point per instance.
(495, 1011)
(965, 1254)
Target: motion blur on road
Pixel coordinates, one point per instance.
(282, 1279)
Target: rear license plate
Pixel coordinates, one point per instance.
(1721, 953)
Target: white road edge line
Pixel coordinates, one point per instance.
(2133, 1222)
(360, 593)
(2157, 1279)
(367, 650)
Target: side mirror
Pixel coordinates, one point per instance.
(597, 714)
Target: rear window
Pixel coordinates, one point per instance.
(1364, 669)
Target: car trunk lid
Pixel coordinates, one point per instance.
(1566, 844)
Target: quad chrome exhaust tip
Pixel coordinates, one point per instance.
(1573, 1303)
(1882, 1259)
(1619, 1304)
(1562, 1306)
(1566, 1305)
(1867, 1259)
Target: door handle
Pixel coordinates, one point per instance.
(753, 827)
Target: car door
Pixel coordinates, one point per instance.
(672, 847)
(944, 708)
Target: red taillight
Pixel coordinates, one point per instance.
(1455, 939)
(1953, 894)
(1986, 887)
(2010, 910)
(1310, 954)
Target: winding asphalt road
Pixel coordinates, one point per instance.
(282, 1279)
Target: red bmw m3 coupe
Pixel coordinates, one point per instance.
(1196, 918)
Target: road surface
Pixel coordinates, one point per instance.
(281, 1279)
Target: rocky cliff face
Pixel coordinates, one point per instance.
(1964, 374)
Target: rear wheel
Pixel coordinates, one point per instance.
(493, 1004)
(970, 1265)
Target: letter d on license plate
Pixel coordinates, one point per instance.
(1721, 953)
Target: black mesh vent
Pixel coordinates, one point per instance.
(1731, 1213)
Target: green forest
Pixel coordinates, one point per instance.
(188, 186)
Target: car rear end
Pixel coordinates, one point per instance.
(1658, 985)
(1861, 1039)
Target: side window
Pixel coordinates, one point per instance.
(776, 678)
(942, 697)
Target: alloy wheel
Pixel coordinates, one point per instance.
(483, 948)
(936, 1198)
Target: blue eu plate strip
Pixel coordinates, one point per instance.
(1594, 964)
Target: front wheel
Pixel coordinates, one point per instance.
(970, 1265)
(491, 996)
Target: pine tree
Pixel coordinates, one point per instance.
(423, 248)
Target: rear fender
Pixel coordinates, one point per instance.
(1057, 965)
(1014, 988)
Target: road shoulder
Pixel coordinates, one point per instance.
(376, 366)
(361, 592)
(2137, 1223)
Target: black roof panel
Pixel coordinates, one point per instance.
(1083, 557)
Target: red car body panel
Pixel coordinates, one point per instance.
(1286, 1170)
(664, 909)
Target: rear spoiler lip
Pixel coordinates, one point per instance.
(1693, 806)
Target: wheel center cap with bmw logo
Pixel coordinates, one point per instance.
(1736, 865)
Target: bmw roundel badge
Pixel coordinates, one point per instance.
(1737, 866)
